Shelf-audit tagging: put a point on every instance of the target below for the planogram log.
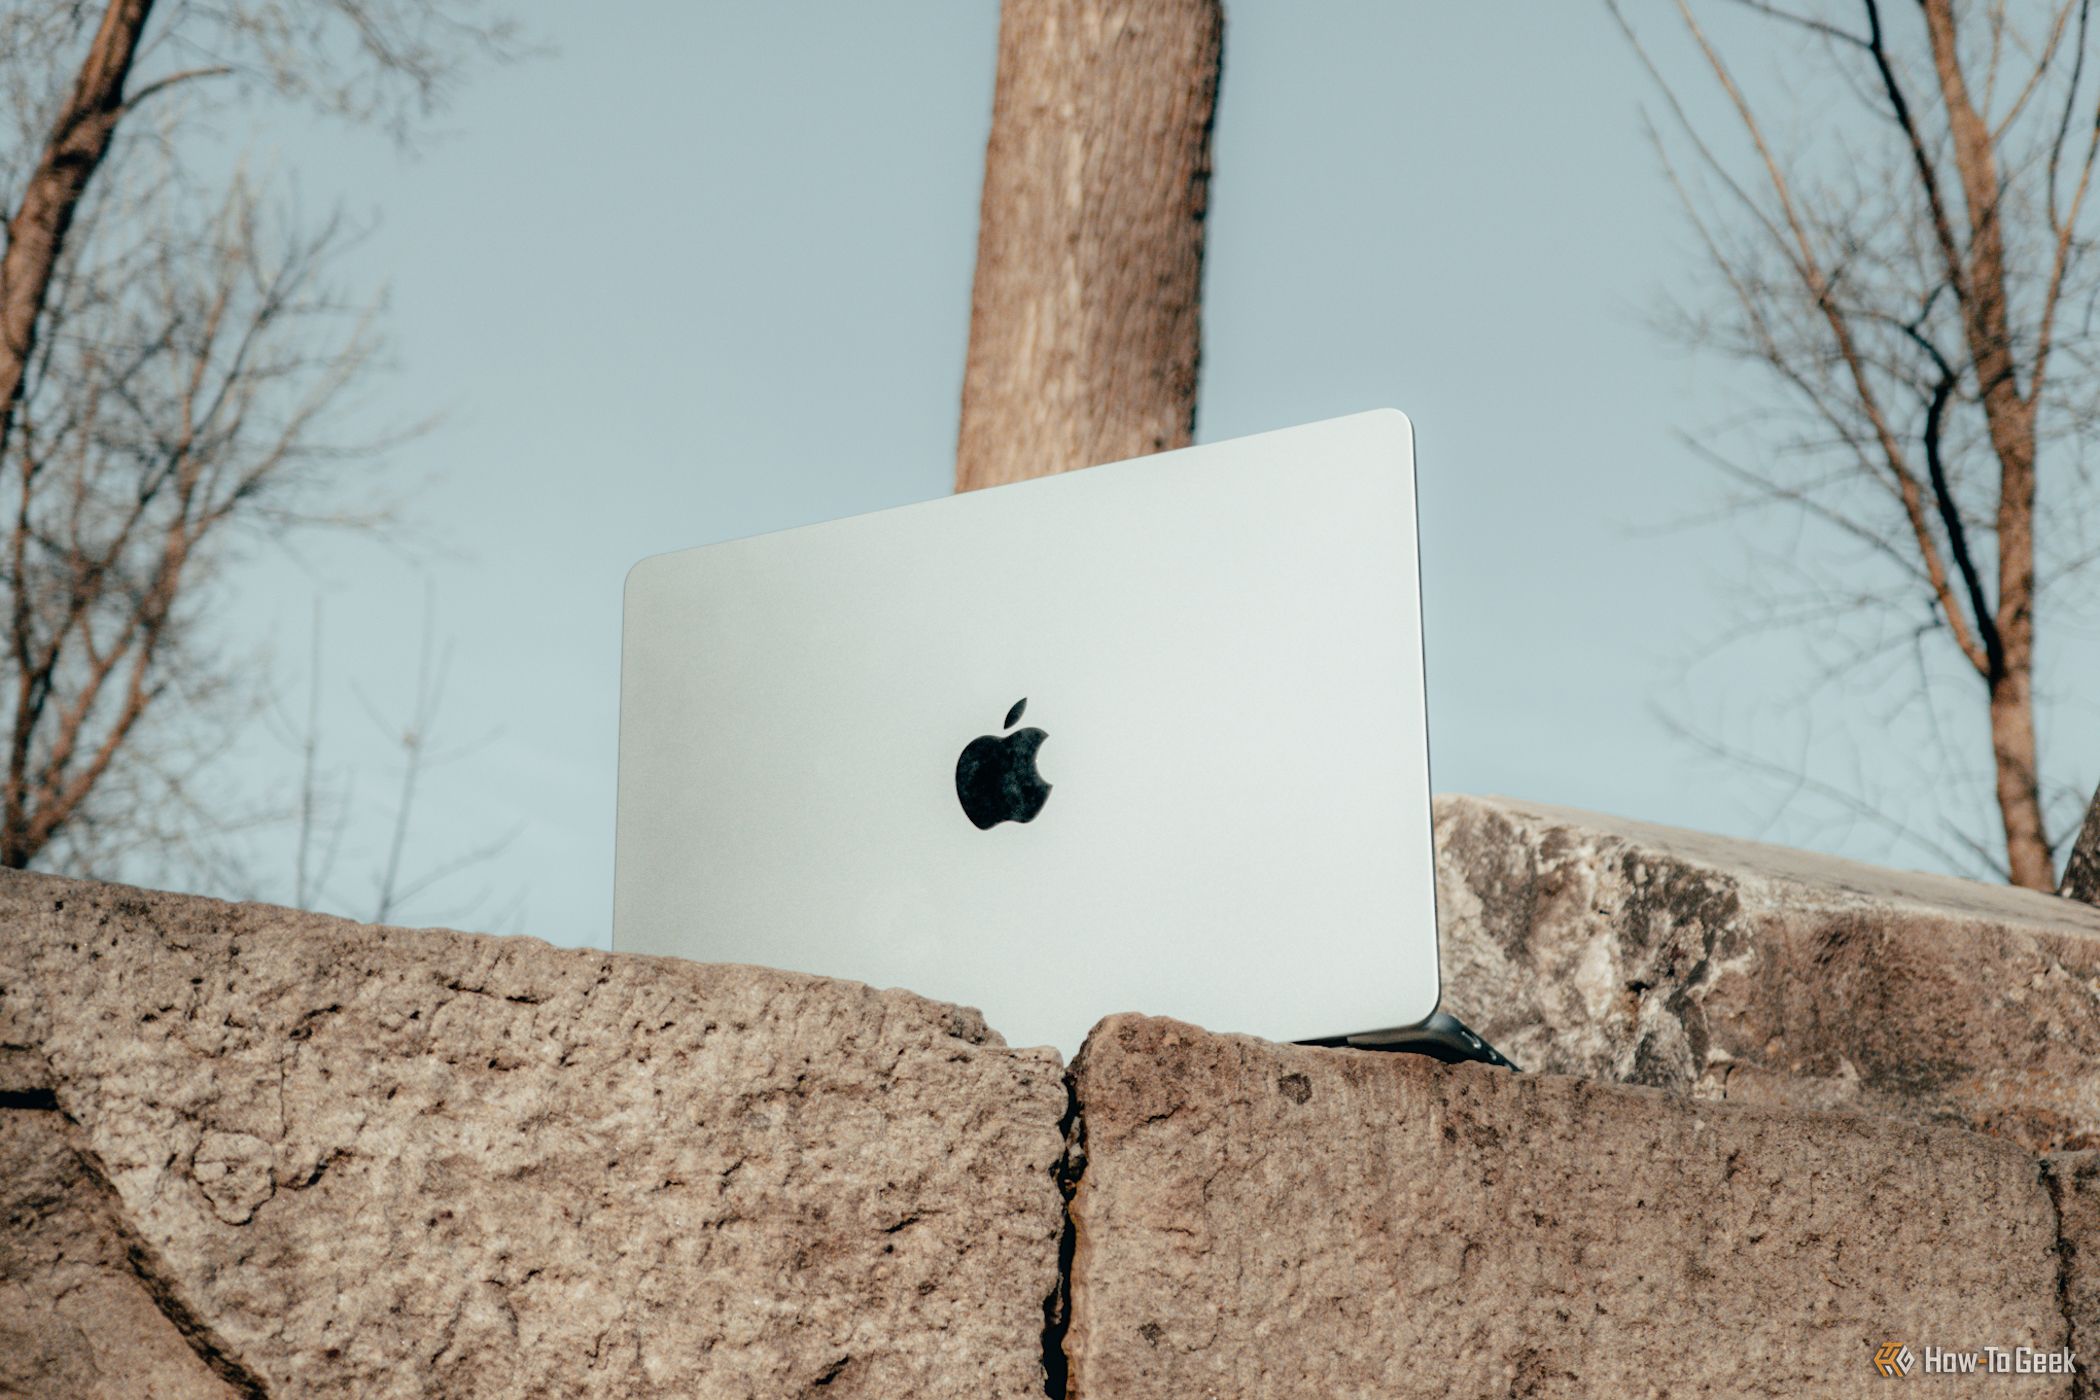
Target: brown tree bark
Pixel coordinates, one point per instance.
(2018, 786)
(36, 231)
(1986, 303)
(1085, 314)
(2082, 869)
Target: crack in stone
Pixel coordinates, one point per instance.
(1057, 1307)
(156, 1278)
(2052, 1170)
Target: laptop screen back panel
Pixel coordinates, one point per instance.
(1221, 647)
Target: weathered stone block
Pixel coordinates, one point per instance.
(1590, 945)
(380, 1162)
(77, 1314)
(1258, 1220)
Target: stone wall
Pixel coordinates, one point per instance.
(1613, 949)
(1259, 1220)
(1791, 1111)
(351, 1161)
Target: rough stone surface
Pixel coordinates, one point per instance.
(1258, 1220)
(2074, 1182)
(380, 1162)
(77, 1316)
(1590, 945)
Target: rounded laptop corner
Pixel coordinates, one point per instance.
(636, 577)
(1394, 421)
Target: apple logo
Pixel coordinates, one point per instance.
(996, 777)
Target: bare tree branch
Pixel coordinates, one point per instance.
(79, 139)
(173, 368)
(1895, 283)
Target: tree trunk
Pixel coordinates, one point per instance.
(36, 232)
(2082, 869)
(1981, 282)
(2013, 745)
(1085, 315)
(36, 237)
(2019, 791)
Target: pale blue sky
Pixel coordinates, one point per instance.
(703, 270)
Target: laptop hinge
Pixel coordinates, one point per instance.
(1442, 1037)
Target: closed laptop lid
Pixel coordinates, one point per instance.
(1145, 737)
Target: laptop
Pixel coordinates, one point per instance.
(1145, 737)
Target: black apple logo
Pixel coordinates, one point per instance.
(996, 777)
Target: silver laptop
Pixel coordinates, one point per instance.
(1146, 737)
